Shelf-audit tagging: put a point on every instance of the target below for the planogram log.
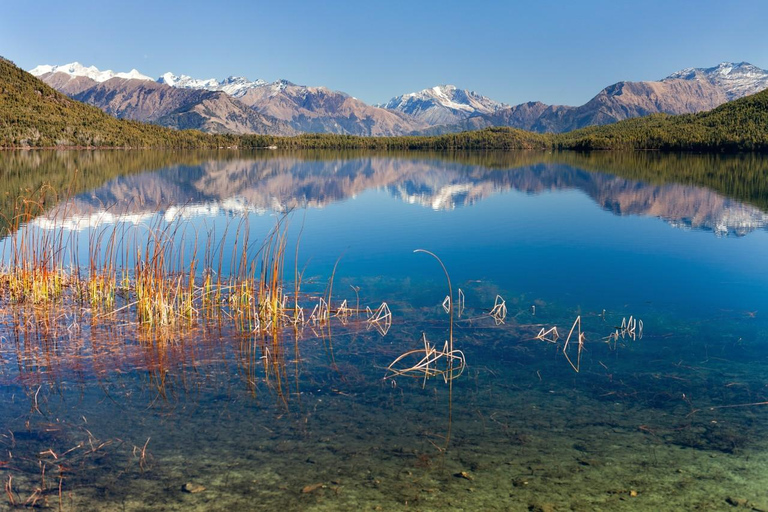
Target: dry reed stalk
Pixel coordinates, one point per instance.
(499, 311)
(380, 318)
(427, 366)
(632, 328)
(549, 335)
(9, 491)
(581, 338)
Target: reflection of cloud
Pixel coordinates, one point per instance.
(81, 222)
(444, 198)
(227, 208)
(63, 219)
(737, 219)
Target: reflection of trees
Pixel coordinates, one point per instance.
(280, 181)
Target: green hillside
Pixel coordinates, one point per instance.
(33, 114)
(740, 125)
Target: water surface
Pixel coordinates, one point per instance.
(311, 418)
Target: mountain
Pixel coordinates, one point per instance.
(32, 114)
(75, 69)
(279, 108)
(739, 125)
(687, 91)
(735, 80)
(234, 85)
(309, 109)
(319, 109)
(284, 108)
(443, 104)
(146, 100)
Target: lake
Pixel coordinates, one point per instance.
(602, 346)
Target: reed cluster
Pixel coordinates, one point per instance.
(158, 275)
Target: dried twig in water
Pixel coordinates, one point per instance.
(9, 491)
(447, 304)
(320, 313)
(460, 303)
(581, 338)
(499, 311)
(632, 328)
(550, 335)
(343, 312)
(380, 319)
(427, 366)
(141, 453)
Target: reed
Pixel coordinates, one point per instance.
(428, 364)
(632, 329)
(380, 318)
(549, 335)
(499, 310)
(580, 344)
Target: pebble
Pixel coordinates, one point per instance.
(192, 488)
(737, 502)
(313, 487)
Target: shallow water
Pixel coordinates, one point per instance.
(121, 416)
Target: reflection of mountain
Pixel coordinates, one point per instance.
(279, 184)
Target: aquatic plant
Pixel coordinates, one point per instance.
(632, 328)
(427, 366)
(549, 335)
(455, 360)
(499, 310)
(580, 344)
(379, 318)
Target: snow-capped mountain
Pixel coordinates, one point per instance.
(443, 104)
(440, 109)
(235, 86)
(75, 69)
(734, 79)
(319, 109)
(186, 81)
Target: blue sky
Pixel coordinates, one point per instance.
(560, 52)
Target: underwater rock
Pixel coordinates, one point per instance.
(737, 502)
(313, 487)
(192, 488)
(541, 507)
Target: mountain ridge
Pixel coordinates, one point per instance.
(433, 111)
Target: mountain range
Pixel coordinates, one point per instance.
(239, 105)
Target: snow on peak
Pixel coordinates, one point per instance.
(234, 85)
(187, 82)
(445, 96)
(74, 69)
(735, 79)
(238, 85)
(280, 85)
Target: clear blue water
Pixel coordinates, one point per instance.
(665, 422)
